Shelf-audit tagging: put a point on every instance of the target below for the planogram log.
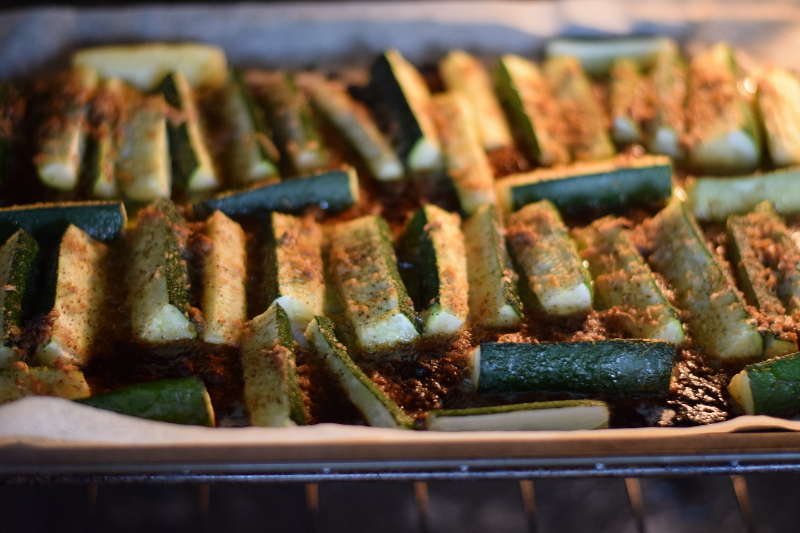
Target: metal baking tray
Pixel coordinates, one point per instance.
(44, 439)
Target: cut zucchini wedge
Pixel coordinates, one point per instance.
(364, 268)
(378, 409)
(192, 168)
(293, 124)
(224, 278)
(102, 146)
(715, 199)
(354, 122)
(627, 100)
(769, 387)
(606, 185)
(62, 136)
(157, 280)
(494, 301)
(332, 191)
(144, 167)
(669, 78)
(177, 401)
(408, 100)
(748, 235)
(566, 415)
(23, 380)
(73, 299)
(623, 281)
(467, 163)
(271, 392)
(586, 122)
(103, 221)
(778, 108)
(718, 321)
(293, 271)
(618, 367)
(144, 65)
(723, 132)
(251, 155)
(554, 280)
(597, 55)
(532, 110)
(434, 244)
(18, 258)
(465, 74)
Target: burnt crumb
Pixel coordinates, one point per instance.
(698, 392)
(324, 399)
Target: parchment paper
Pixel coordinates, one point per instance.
(334, 34)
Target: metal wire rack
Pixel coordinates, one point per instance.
(730, 503)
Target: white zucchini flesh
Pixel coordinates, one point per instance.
(144, 167)
(300, 285)
(596, 56)
(77, 314)
(153, 317)
(144, 65)
(376, 302)
(463, 73)
(467, 163)
(553, 419)
(23, 380)
(224, 281)
(265, 365)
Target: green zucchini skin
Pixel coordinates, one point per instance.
(18, 257)
(333, 191)
(271, 391)
(713, 199)
(769, 387)
(378, 409)
(612, 367)
(609, 185)
(718, 320)
(540, 416)
(104, 221)
(178, 401)
(554, 281)
(293, 124)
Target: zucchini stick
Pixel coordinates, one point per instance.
(597, 55)
(778, 99)
(467, 163)
(23, 380)
(566, 415)
(62, 136)
(722, 130)
(769, 387)
(466, 75)
(354, 123)
(18, 257)
(628, 101)
(667, 127)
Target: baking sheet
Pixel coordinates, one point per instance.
(46, 432)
